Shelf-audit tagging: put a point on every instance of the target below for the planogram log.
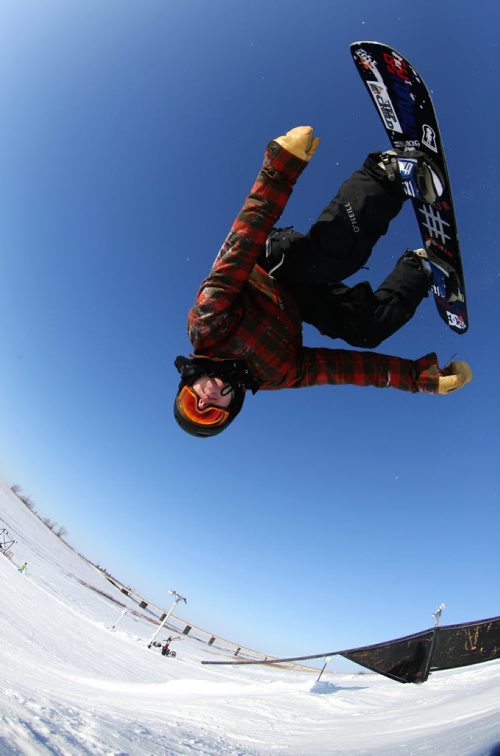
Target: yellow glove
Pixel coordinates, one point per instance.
(299, 142)
(454, 376)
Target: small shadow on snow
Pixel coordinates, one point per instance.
(326, 688)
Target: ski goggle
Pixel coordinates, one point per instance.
(187, 402)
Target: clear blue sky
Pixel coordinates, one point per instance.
(130, 134)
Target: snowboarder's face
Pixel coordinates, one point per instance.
(212, 392)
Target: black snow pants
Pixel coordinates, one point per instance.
(339, 244)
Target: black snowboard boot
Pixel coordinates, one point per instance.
(418, 258)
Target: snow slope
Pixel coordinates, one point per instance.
(69, 684)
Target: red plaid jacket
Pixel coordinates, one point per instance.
(241, 312)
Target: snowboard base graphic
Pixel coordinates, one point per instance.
(407, 113)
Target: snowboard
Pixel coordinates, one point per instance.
(407, 113)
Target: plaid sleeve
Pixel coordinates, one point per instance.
(211, 314)
(339, 366)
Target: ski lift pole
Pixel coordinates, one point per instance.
(437, 619)
(177, 599)
(122, 615)
(327, 659)
(437, 614)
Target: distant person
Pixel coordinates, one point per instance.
(246, 323)
(23, 567)
(165, 649)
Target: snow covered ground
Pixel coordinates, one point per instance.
(69, 684)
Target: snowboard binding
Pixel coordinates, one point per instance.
(419, 176)
(451, 280)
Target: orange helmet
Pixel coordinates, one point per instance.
(210, 420)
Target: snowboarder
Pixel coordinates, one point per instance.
(165, 649)
(246, 323)
(22, 568)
